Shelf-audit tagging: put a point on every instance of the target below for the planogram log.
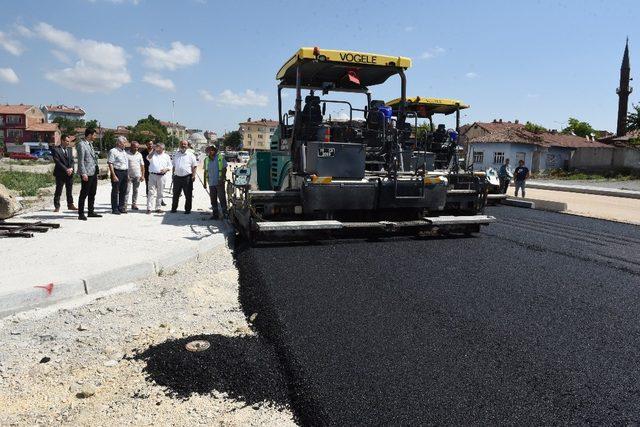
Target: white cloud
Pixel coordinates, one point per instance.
(471, 75)
(100, 66)
(159, 81)
(11, 45)
(408, 29)
(206, 95)
(180, 55)
(24, 31)
(9, 76)
(61, 56)
(433, 52)
(227, 97)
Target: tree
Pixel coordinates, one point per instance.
(534, 128)
(633, 119)
(147, 129)
(578, 128)
(91, 124)
(69, 125)
(108, 141)
(422, 130)
(232, 140)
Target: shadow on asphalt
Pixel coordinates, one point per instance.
(244, 367)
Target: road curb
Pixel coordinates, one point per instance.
(537, 204)
(612, 192)
(46, 295)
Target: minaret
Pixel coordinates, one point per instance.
(623, 92)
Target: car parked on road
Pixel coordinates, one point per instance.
(42, 153)
(243, 156)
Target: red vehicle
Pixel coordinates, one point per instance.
(22, 156)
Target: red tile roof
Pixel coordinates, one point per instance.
(14, 109)
(43, 127)
(516, 132)
(64, 109)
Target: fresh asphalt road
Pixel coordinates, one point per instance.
(535, 320)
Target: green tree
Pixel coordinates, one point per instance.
(578, 128)
(232, 140)
(633, 119)
(108, 141)
(69, 125)
(147, 129)
(92, 124)
(534, 128)
(422, 130)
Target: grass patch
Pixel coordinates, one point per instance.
(26, 183)
(575, 175)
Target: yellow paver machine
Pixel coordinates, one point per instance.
(362, 175)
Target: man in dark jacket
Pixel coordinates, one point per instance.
(63, 171)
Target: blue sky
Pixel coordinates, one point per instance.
(541, 61)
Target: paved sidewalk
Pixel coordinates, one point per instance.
(83, 257)
(585, 189)
(590, 205)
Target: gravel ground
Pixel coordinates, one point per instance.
(120, 359)
(535, 321)
(633, 185)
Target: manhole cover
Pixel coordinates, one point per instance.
(199, 345)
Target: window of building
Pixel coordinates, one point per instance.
(260, 136)
(272, 130)
(14, 120)
(478, 157)
(498, 157)
(521, 156)
(1, 121)
(14, 133)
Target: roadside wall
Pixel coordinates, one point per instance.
(592, 158)
(626, 158)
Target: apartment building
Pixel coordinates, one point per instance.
(256, 135)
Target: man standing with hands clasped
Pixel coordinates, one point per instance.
(119, 167)
(215, 171)
(184, 173)
(136, 174)
(63, 171)
(88, 171)
(159, 165)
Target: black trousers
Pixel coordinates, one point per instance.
(504, 185)
(67, 182)
(217, 192)
(119, 190)
(182, 184)
(87, 191)
(146, 179)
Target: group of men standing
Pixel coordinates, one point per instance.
(128, 169)
(521, 174)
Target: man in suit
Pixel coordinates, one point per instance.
(63, 171)
(88, 171)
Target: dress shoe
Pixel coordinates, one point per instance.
(82, 217)
(115, 212)
(160, 211)
(173, 211)
(148, 212)
(94, 215)
(134, 208)
(56, 210)
(122, 211)
(162, 203)
(187, 212)
(72, 208)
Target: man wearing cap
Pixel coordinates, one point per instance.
(118, 166)
(63, 171)
(215, 171)
(184, 173)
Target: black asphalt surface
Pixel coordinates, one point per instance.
(534, 321)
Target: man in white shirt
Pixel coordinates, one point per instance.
(159, 165)
(136, 174)
(118, 166)
(184, 173)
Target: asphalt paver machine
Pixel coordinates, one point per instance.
(434, 147)
(345, 176)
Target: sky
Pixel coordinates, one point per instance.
(212, 64)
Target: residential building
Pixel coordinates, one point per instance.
(256, 135)
(489, 144)
(627, 149)
(52, 112)
(175, 129)
(26, 123)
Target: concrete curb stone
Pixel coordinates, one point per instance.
(39, 297)
(584, 189)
